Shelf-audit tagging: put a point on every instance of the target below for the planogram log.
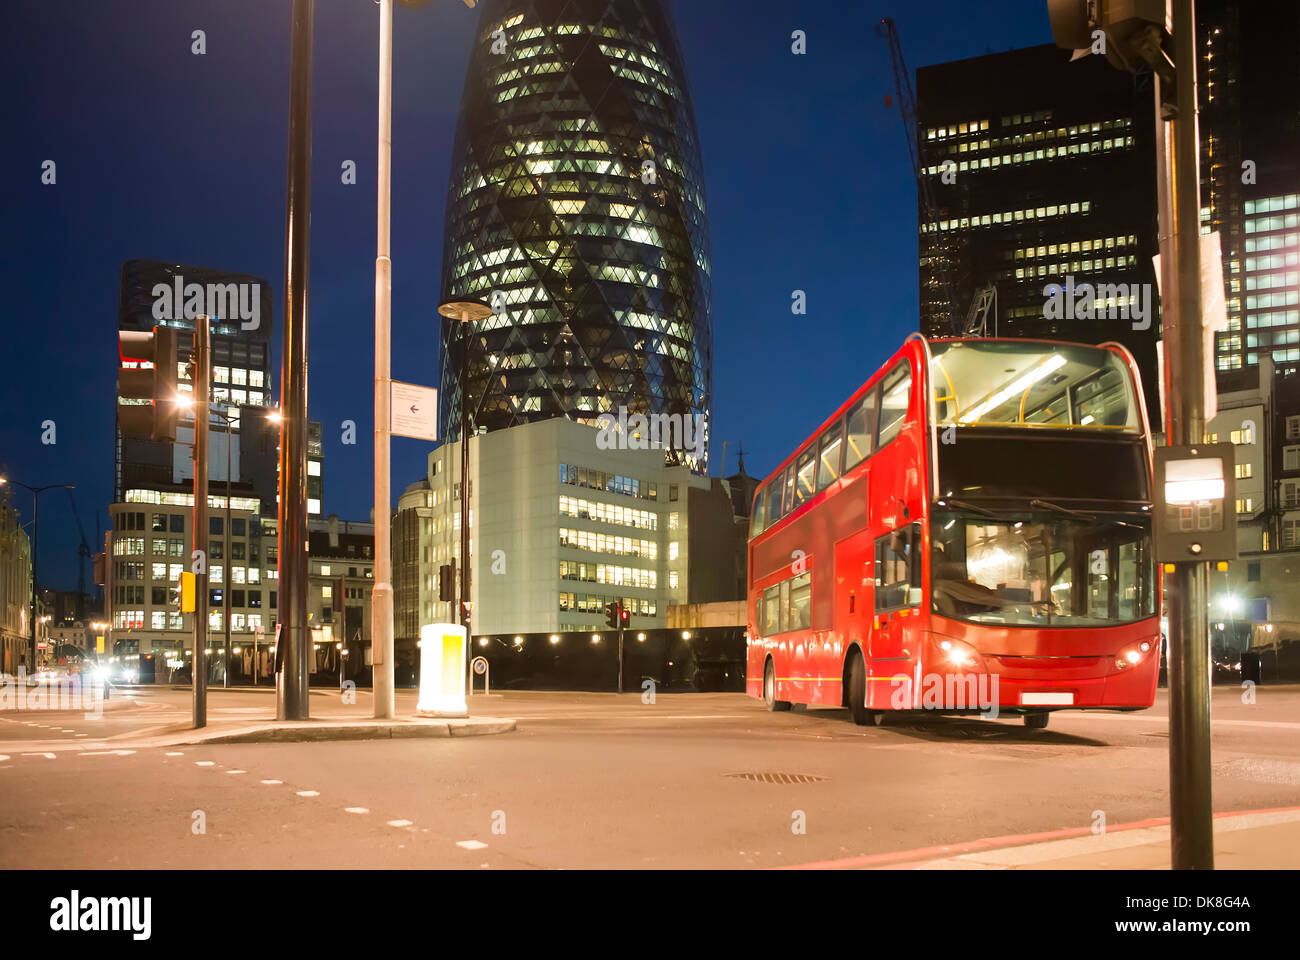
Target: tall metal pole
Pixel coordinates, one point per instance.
(292, 681)
(31, 646)
(381, 604)
(227, 579)
(1190, 808)
(464, 482)
(202, 392)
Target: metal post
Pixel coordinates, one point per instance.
(226, 579)
(620, 648)
(292, 681)
(202, 391)
(31, 653)
(381, 603)
(464, 487)
(1191, 824)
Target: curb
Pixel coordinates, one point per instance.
(313, 733)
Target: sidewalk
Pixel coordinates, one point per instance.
(330, 720)
(1243, 840)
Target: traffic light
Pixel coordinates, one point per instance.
(447, 582)
(183, 593)
(1137, 32)
(624, 617)
(146, 405)
(611, 614)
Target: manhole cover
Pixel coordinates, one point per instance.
(776, 777)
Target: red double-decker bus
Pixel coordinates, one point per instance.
(970, 530)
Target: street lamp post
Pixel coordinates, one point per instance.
(465, 312)
(36, 493)
(381, 610)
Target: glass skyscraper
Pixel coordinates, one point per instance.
(576, 209)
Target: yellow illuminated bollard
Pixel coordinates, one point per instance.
(443, 648)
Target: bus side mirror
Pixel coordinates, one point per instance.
(913, 596)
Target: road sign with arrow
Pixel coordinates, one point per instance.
(413, 411)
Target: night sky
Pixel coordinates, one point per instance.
(166, 155)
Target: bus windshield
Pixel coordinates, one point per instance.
(1045, 570)
(1024, 384)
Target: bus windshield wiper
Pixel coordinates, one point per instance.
(1082, 516)
(963, 505)
(1060, 509)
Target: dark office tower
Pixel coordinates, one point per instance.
(576, 208)
(157, 294)
(1249, 116)
(1050, 181)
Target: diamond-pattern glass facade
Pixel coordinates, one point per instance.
(576, 209)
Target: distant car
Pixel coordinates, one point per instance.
(1226, 667)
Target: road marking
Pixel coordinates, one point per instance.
(471, 844)
(1216, 722)
(83, 734)
(47, 756)
(108, 753)
(399, 823)
(356, 809)
(308, 793)
(236, 771)
(272, 782)
(204, 763)
(3, 757)
(175, 753)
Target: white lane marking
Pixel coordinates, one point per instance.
(108, 753)
(615, 715)
(82, 734)
(399, 823)
(236, 771)
(47, 756)
(356, 809)
(3, 757)
(272, 782)
(309, 793)
(471, 844)
(204, 763)
(175, 753)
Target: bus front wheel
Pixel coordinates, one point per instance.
(1037, 721)
(857, 696)
(769, 690)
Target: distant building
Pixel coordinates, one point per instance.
(151, 543)
(576, 207)
(15, 589)
(342, 575)
(1043, 172)
(1249, 120)
(561, 528)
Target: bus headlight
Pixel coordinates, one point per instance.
(1133, 654)
(956, 653)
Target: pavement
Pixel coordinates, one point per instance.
(606, 781)
(331, 719)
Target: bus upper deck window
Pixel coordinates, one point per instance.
(859, 429)
(894, 392)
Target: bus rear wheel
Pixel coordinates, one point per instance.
(1037, 721)
(769, 690)
(857, 696)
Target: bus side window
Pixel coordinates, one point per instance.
(895, 391)
(860, 427)
(788, 503)
(801, 602)
(785, 606)
(759, 511)
(771, 611)
(774, 489)
(828, 460)
(804, 475)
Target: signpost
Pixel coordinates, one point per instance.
(413, 411)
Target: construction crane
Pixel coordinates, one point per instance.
(83, 553)
(934, 248)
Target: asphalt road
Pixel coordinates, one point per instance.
(592, 780)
